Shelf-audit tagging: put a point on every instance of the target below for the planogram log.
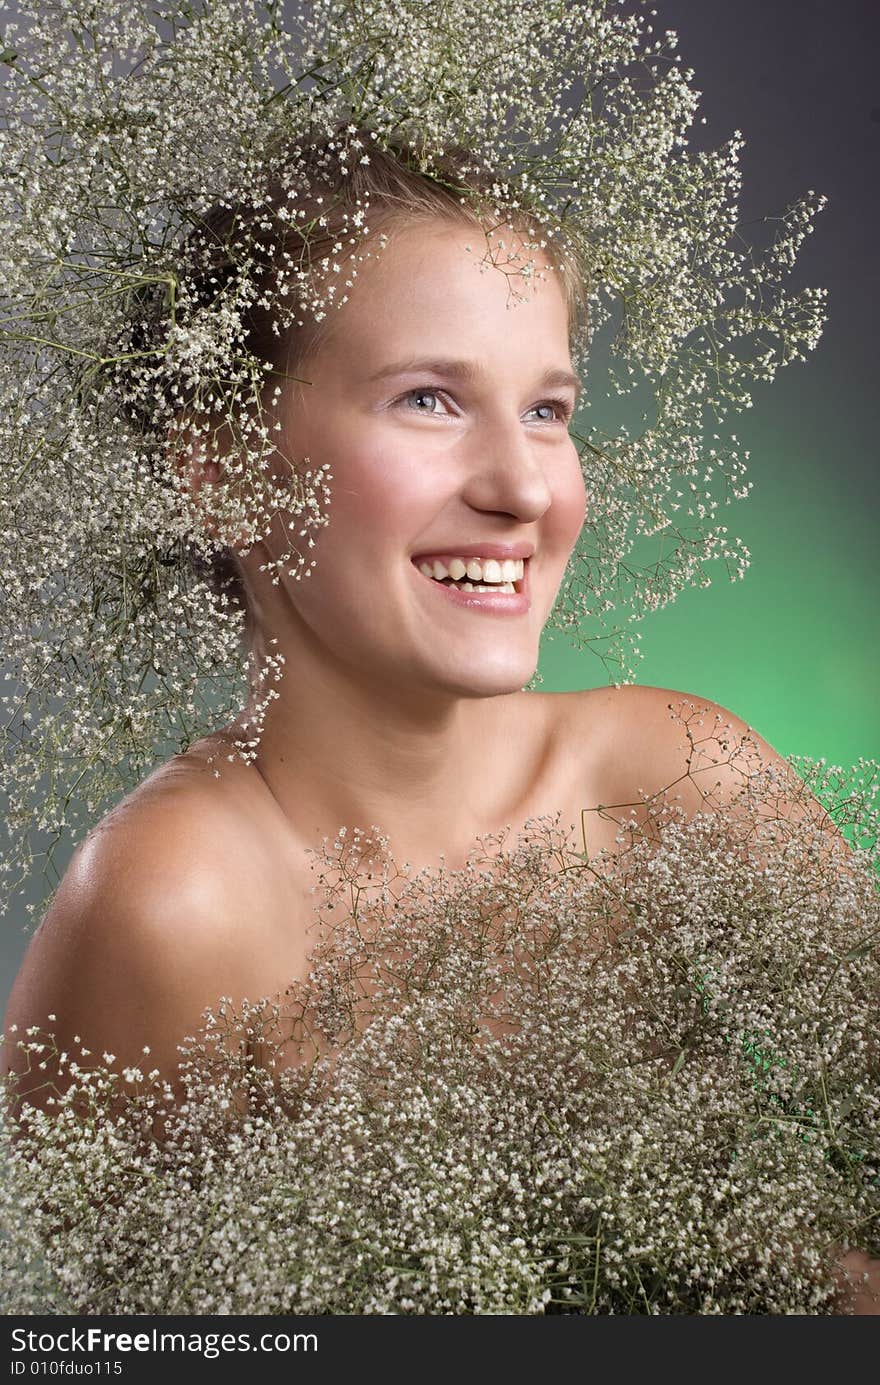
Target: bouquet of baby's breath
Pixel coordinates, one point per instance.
(187, 191)
(640, 1083)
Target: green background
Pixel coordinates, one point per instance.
(792, 647)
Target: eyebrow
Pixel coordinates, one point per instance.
(469, 372)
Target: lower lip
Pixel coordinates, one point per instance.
(490, 603)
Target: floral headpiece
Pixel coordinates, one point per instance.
(162, 175)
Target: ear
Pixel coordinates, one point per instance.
(194, 457)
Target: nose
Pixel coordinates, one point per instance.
(507, 475)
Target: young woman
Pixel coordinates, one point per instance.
(457, 498)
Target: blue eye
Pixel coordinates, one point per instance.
(421, 394)
(562, 410)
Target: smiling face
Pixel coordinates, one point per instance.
(442, 414)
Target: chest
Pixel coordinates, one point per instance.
(298, 914)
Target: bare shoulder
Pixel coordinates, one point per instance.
(156, 918)
(656, 740)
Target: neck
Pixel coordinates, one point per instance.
(430, 770)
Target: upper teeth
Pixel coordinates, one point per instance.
(476, 569)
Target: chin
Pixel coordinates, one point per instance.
(498, 681)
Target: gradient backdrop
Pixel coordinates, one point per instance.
(792, 649)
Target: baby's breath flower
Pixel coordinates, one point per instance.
(641, 1083)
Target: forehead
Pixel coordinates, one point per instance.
(441, 281)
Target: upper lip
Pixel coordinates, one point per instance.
(479, 550)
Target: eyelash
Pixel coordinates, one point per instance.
(565, 409)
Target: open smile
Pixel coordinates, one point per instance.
(508, 593)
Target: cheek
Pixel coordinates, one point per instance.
(569, 507)
(380, 499)
(382, 490)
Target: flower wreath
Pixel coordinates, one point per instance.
(158, 161)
